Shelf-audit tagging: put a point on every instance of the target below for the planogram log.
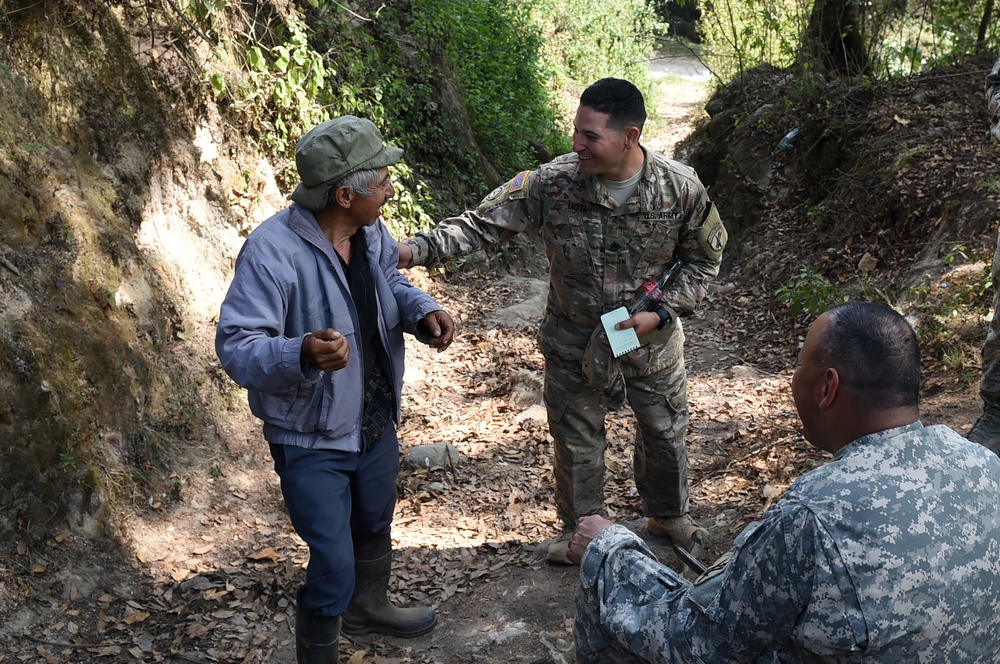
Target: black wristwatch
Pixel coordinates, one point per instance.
(665, 317)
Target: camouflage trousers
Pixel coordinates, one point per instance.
(577, 425)
(597, 645)
(989, 380)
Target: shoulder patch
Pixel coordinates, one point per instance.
(517, 184)
(495, 198)
(493, 195)
(712, 235)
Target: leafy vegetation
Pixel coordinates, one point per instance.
(591, 39)
(739, 35)
(899, 38)
(807, 291)
(510, 63)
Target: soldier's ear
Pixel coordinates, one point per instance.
(632, 136)
(831, 388)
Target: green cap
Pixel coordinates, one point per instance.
(336, 148)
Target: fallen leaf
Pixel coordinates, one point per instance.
(138, 616)
(266, 554)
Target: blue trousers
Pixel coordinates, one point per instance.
(336, 499)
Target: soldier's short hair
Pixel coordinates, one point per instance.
(876, 353)
(620, 99)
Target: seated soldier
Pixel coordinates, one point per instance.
(888, 553)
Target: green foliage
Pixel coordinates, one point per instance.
(933, 33)
(741, 34)
(409, 66)
(591, 39)
(67, 462)
(285, 88)
(958, 251)
(808, 291)
(495, 50)
(407, 213)
(900, 38)
(202, 10)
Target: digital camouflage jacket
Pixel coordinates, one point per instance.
(888, 553)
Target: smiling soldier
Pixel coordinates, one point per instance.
(613, 215)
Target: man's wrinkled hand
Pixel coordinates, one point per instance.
(587, 529)
(327, 349)
(438, 330)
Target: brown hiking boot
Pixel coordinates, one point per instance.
(682, 531)
(556, 553)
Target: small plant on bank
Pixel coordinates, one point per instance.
(952, 310)
(67, 462)
(807, 291)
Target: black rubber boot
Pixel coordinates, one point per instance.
(317, 639)
(370, 610)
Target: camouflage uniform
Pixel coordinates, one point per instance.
(993, 98)
(888, 553)
(987, 430)
(599, 254)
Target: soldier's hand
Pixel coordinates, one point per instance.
(405, 256)
(644, 322)
(587, 529)
(438, 330)
(327, 349)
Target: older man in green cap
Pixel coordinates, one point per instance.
(312, 327)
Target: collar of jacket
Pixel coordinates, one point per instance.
(647, 191)
(303, 223)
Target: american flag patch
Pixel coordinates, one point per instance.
(517, 184)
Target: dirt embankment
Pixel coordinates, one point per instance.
(123, 200)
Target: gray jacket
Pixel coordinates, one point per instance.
(289, 282)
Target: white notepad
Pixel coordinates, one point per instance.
(622, 341)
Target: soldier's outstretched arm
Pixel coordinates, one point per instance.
(509, 209)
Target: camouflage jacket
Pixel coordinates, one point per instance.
(599, 252)
(993, 98)
(888, 553)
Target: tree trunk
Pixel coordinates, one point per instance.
(833, 38)
(984, 25)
